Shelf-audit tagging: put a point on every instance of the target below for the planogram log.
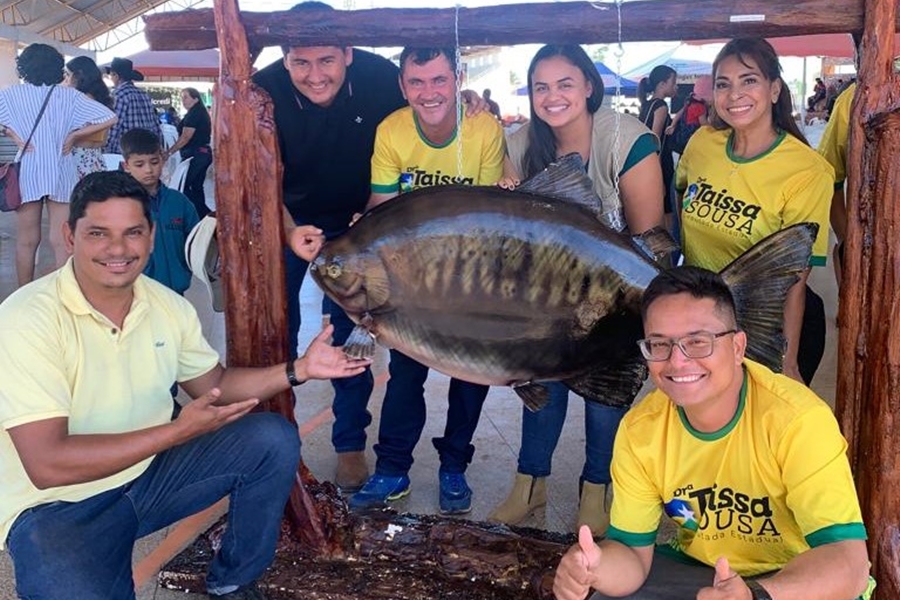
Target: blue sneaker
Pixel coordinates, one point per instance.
(378, 491)
(456, 495)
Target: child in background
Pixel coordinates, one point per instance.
(173, 214)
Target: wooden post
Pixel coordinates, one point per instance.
(868, 385)
(251, 235)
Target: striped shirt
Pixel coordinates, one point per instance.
(44, 170)
(135, 110)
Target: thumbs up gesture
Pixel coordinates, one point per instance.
(727, 584)
(576, 570)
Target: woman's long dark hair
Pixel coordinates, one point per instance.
(199, 105)
(541, 141)
(763, 54)
(40, 64)
(88, 79)
(647, 85)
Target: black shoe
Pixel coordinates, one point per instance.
(245, 592)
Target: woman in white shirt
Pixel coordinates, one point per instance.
(47, 171)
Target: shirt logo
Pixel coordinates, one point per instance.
(718, 207)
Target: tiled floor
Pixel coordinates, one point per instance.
(497, 437)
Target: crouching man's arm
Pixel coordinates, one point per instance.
(835, 571)
(610, 568)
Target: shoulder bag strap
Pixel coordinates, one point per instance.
(38, 120)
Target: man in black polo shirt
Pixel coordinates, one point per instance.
(328, 103)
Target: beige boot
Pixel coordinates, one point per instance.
(352, 471)
(593, 510)
(527, 495)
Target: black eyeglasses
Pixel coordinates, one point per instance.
(695, 345)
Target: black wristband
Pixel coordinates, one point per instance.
(757, 591)
(291, 374)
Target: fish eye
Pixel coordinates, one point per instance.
(333, 270)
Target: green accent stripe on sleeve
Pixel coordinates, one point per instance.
(836, 533)
(678, 556)
(391, 188)
(643, 147)
(634, 540)
(839, 185)
(817, 261)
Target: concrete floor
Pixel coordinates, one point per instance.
(496, 440)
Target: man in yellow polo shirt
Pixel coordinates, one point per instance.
(90, 459)
(750, 465)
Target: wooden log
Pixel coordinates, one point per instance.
(868, 384)
(386, 556)
(251, 237)
(564, 23)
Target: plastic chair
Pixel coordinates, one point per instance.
(176, 180)
(169, 135)
(113, 161)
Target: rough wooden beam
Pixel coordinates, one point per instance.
(868, 385)
(559, 22)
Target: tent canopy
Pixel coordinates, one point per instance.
(834, 45)
(176, 65)
(627, 87)
(687, 70)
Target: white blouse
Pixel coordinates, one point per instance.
(44, 171)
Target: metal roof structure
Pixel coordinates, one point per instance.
(79, 26)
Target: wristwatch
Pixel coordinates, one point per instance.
(291, 374)
(757, 591)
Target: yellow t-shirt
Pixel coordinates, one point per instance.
(771, 484)
(833, 145)
(62, 358)
(730, 203)
(404, 160)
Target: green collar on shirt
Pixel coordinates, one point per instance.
(729, 149)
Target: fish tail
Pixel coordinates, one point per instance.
(760, 279)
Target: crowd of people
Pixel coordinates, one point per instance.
(71, 118)
(748, 463)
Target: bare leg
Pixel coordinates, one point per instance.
(59, 213)
(28, 238)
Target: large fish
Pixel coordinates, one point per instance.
(521, 287)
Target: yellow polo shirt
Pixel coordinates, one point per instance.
(61, 358)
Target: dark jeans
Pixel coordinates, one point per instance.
(541, 431)
(812, 336)
(403, 419)
(351, 395)
(196, 176)
(83, 550)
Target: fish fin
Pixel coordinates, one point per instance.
(760, 279)
(614, 383)
(657, 244)
(565, 180)
(534, 395)
(360, 343)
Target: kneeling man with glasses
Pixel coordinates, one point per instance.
(748, 464)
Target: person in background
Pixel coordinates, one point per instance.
(566, 94)
(133, 105)
(692, 116)
(83, 74)
(90, 457)
(195, 132)
(493, 107)
(47, 172)
(748, 465)
(653, 91)
(750, 175)
(413, 146)
(173, 214)
(834, 146)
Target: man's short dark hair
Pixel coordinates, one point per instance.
(699, 283)
(420, 56)
(140, 141)
(103, 185)
(308, 5)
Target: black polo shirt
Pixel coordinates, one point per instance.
(327, 151)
